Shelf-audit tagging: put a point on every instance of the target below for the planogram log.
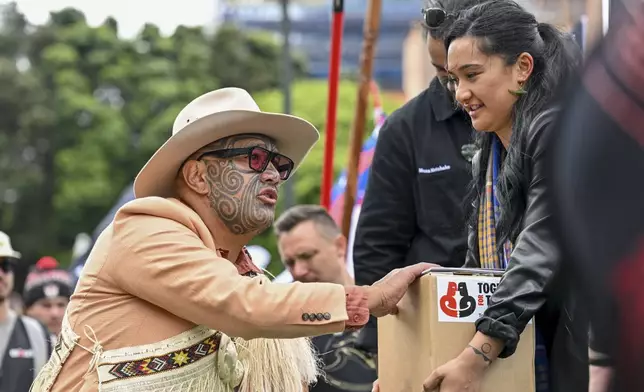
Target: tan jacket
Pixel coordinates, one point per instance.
(155, 272)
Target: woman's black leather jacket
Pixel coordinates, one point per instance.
(535, 284)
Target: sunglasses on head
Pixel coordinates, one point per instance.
(433, 17)
(6, 264)
(258, 159)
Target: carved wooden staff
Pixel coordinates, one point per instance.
(370, 30)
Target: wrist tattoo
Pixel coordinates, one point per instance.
(486, 348)
(481, 353)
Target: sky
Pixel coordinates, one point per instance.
(130, 14)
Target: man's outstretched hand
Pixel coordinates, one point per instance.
(384, 295)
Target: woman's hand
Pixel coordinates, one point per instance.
(376, 387)
(465, 372)
(462, 374)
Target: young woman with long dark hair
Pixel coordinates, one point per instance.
(506, 69)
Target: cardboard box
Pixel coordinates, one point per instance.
(434, 325)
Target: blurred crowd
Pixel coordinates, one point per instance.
(30, 321)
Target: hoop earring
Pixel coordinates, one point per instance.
(518, 92)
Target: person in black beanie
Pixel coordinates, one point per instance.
(46, 293)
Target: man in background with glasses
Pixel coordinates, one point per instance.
(169, 298)
(25, 344)
(413, 207)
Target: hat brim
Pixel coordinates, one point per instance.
(293, 136)
(12, 254)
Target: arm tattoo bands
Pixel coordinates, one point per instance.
(480, 352)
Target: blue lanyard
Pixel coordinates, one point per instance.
(496, 163)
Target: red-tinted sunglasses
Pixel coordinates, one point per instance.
(258, 159)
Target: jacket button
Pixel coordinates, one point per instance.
(327, 316)
(320, 316)
(305, 317)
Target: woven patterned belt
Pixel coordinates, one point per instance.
(170, 361)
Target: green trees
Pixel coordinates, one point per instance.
(82, 109)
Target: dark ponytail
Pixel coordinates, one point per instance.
(507, 30)
(561, 54)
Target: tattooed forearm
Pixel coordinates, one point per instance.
(483, 351)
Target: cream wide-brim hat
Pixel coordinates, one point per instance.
(6, 250)
(215, 115)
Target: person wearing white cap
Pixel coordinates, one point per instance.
(24, 342)
(169, 299)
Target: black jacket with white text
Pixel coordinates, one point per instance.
(414, 208)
